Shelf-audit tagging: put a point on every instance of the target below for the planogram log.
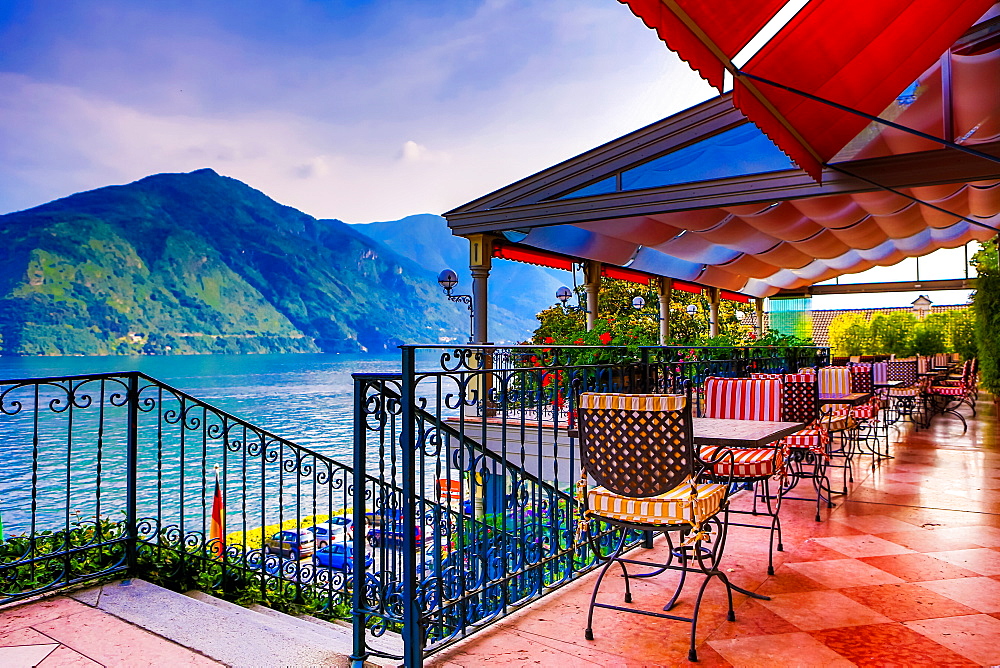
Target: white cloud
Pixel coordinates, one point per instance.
(427, 112)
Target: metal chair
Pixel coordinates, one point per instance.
(639, 450)
(754, 398)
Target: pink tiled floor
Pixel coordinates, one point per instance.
(905, 571)
(63, 632)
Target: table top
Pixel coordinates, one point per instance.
(741, 433)
(889, 383)
(852, 398)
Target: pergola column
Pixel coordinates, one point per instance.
(480, 263)
(592, 278)
(758, 304)
(665, 288)
(713, 312)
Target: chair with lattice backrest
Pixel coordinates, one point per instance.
(949, 395)
(639, 451)
(907, 396)
(870, 426)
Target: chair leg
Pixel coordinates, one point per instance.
(589, 633)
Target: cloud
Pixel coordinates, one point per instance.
(366, 112)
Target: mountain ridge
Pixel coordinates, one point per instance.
(199, 262)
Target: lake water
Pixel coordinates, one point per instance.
(306, 399)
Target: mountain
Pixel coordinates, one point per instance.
(517, 291)
(198, 262)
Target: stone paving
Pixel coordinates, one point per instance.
(905, 572)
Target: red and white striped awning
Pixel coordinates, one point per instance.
(856, 53)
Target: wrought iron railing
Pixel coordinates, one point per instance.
(116, 473)
(470, 461)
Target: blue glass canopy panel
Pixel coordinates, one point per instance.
(739, 151)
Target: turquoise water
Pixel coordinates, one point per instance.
(306, 399)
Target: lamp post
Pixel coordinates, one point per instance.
(563, 294)
(448, 279)
(691, 309)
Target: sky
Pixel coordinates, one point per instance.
(350, 109)
(361, 111)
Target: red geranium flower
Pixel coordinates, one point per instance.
(606, 338)
(549, 339)
(578, 342)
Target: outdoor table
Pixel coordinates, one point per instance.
(740, 433)
(889, 383)
(745, 434)
(851, 398)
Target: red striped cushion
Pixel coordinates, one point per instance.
(743, 399)
(746, 462)
(948, 390)
(866, 411)
(813, 439)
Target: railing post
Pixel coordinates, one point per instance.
(132, 476)
(359, 652)
(413, 651)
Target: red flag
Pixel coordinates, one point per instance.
(217, 532)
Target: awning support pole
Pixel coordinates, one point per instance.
(758, 327)
(592, 276)
(713, 312)
(480, 263)
(664, 290)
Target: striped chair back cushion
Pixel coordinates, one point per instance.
(835, 380)
(861, 378)
(768, 376)
(941, 359)
(799, 400)
(902, 370)
(879, 372)
(743, 399)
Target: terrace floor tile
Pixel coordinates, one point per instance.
(972, 636)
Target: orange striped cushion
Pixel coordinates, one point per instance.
(633, 402)
(835, 380)
(745, 462)
(672, 508)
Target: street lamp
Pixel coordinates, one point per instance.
(691, 309)
(563, 294)
(448, 279)
(740, 315)
(638, 302)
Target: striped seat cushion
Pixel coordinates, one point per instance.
(838, 422)
(673, 508)
(813, 439)
(948, 390)
(746, 462)
(904, 391)
(866, 411)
